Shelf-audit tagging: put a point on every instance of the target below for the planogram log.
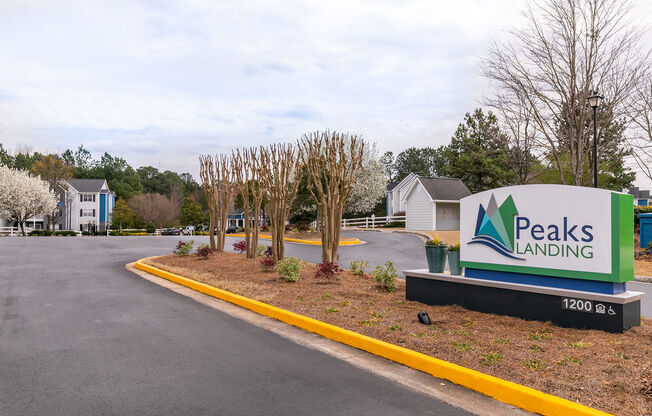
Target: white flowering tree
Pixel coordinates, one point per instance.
(23, 196)
(370, 185)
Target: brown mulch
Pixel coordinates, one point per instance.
(611, 372)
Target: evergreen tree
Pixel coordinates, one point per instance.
(191, 213)
(478, 153)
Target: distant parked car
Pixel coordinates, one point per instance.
(189, 230)
(171, 231)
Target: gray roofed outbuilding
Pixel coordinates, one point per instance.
(444, 189)
(87, 185)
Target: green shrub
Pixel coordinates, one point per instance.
(116, 233)
(436, 242)
(150, 228)
(640, 210)
(289, 268)
(358, 267)
(66, 233)
(454, 247)
(40, 233)
(393, 224)
(386, 276)
(260, 249)
(184, 248)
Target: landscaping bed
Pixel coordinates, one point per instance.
(611, 372)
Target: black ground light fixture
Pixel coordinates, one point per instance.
(594, 101)
(423, 317)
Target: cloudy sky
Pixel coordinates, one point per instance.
(161, 82)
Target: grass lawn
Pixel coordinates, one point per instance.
(611, 372)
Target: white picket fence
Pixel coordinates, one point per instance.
(371, 222)
(13, 231)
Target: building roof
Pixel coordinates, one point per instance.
(639, 193)
(405, 182)
(87, 185)
(441, 188)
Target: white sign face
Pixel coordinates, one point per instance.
(538, 226)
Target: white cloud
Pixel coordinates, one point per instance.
(163, 81)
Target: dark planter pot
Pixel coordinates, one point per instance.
(436, 257)
(454, 262)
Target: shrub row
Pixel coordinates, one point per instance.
(48, 233)
(124, 233)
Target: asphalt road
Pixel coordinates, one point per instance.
(81, 335)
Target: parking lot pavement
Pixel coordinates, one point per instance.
(82, 335)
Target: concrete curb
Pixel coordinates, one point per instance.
(643, 279)
(423, 236)
(502, 390)
(299, 241)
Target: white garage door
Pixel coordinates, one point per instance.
(448, 216)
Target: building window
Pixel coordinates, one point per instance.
(86, 212)
(86, 197)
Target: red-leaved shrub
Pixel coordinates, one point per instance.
(268, 262)
(240, 246)
(327, 270)
(204, 251)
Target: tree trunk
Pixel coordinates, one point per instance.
(211, 228)
(254, 232)
(247, 232)
(22, 227)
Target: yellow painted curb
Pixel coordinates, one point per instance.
(505, 391)
(297, 240)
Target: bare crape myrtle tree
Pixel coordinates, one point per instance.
(280, 174)
(332, 161)
(218, 174)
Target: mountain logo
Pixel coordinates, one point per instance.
(495, 226)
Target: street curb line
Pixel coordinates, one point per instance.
(297, 240)
(644, 279)
(502, 390)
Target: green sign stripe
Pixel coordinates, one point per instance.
(626, 236)
(615, 235)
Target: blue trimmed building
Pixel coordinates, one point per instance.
(86, 204)
(641, 198)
